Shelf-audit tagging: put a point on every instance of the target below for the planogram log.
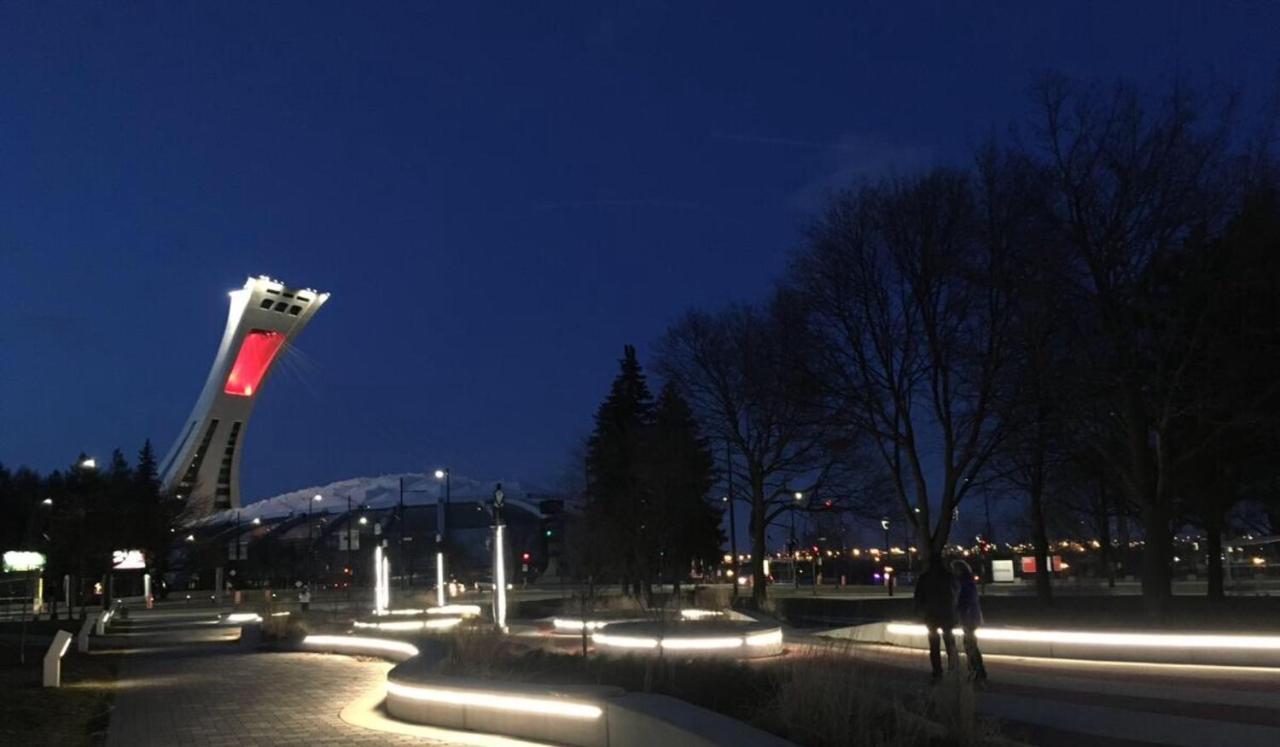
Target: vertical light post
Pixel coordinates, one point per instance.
(88, 465)
(888, 575)
(733, 524)
(442, 508)
(499, 563)
(311, 546)
(795, 545)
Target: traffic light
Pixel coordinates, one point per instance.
(524, 558)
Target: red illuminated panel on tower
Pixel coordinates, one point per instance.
(256, 353)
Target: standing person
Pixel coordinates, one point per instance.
(969, 610)
(935, 605)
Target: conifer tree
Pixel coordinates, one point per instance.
(616, 506)
(680, 471)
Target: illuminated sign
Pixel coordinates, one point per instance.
(1029, 564)
(18, 561)
(128, 560)
(256, 353)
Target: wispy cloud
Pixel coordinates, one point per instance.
(852, 159)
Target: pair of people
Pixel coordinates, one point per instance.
(945, 597)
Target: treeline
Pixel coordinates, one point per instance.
(1089, 309)
(79, 516)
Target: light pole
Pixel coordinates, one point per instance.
(499, 563)
(733, 524)
(311, 547)
(795, 546)
(888, 574)
(442, 508)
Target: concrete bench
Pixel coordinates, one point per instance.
(1139, 647)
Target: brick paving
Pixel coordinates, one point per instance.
(225, 695)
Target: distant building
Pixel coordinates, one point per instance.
(203, 465)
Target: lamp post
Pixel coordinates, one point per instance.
(442, 508)
(733, 524)
(311, 547)
(795, 546)
(888, 575)
(499, 563)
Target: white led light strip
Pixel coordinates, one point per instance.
(578, 625)
(624, 641)
(1143, 640)
(771, 638)
(466, 610)
(515, 703)
(366, 644)
(402, 625)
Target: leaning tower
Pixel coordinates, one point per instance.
(203, 466)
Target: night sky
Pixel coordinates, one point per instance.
(499, 196)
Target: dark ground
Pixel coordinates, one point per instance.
(75, 714)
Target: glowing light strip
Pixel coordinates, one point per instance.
(401, 625)
(466, 610)
(1143, 640)
(499, 579)
(440, 579)
(236, 617)
(577, 625)
(404, 612)
(516, 703)
(699, 614)
(683, 644)
(65, 644)
(624, 641)
(368, 644)
(772, 638)
(279, 614)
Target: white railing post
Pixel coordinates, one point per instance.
(53, 659)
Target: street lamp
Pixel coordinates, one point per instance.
(441, 532)
(888, 574)
(795, 546)
(88, 463)
(47, 502)
(311, 549)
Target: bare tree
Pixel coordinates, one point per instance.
(1131, 183)
(743, 371)
(907, 287)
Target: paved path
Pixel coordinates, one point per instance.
(211, 693)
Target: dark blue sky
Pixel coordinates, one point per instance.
(498, 196)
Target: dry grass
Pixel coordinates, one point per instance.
(75, 714)
(821, 697)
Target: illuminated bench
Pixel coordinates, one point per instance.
(360, 646)
(714, 639)
(564, 715)
(1155, 648)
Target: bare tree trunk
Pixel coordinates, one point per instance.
(1213, 526)
(759, 544)
(1044, 575)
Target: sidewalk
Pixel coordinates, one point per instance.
(217, 693)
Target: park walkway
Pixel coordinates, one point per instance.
(192, 686)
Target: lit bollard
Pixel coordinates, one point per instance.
(82, 643)
(53, 659)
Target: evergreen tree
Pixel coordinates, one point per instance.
(679, 472)
(616, 498)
